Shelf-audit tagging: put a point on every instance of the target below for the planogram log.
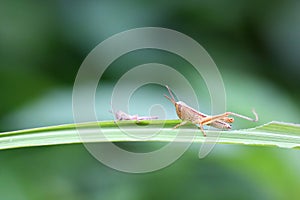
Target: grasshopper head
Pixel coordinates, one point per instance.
(179, 107)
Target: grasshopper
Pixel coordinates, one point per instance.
(120, 115)
(188, 114)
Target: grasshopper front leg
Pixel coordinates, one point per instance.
(180, 124)
(202, 130)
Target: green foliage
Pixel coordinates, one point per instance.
(286, 135)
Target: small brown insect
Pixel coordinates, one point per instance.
(120, 115)
(188, 114)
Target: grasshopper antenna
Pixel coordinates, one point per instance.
(170, 99)
(112, 109)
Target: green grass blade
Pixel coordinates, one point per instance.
(286, 135)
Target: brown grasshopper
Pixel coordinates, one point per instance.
(188, 114)
(120, 115)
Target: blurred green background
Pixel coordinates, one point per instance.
(255, 45)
